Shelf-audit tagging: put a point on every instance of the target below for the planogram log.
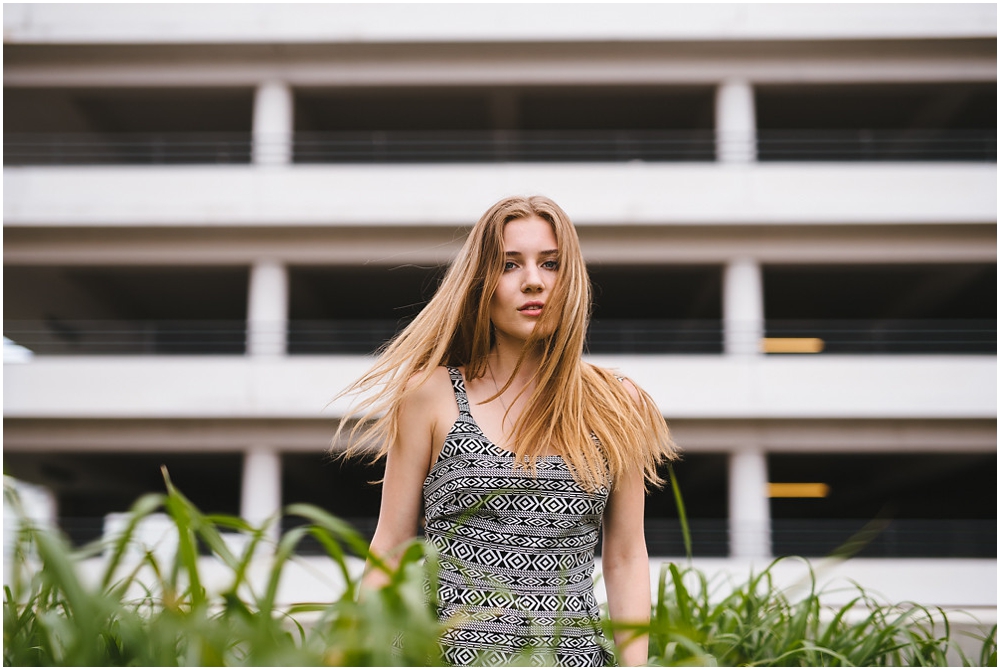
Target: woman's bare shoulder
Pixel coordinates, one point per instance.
(431, 390)
(630, 387)
(430, 409)
(425, 409)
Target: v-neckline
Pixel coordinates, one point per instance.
(496, 446)
(479, 429)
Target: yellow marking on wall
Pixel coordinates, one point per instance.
(791, 345)
(798, 490)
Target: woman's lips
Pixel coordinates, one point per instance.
(531, 308)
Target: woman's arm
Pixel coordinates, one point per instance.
(625, 560)
(406, 467)
(626, 566)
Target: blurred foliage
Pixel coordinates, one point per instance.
(756, 624)
(52, 616)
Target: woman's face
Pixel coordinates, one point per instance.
(531, 264)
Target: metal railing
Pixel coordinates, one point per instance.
(877, 145)
(127, 336)
(709, 537)
(606, 336)
(505, 146)
(126, 148)
(610, 336)
(498, 146)
(899, 538)
(360, 336)
(892, 336)
(655, 336)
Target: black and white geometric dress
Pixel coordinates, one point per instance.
(516, 554)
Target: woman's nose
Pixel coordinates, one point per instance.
(532, 280)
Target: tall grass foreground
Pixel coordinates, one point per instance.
(157, 611)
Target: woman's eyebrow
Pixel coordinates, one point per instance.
(547, 252)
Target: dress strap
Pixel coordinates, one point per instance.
(458, 385)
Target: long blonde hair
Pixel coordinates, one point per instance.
(573, 402)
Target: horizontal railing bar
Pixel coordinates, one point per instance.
(498, 145)
(67, 336)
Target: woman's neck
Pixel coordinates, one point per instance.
(503, 359)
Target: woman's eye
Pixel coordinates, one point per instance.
(509, 265)
(551, 265)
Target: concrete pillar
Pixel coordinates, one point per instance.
(267, 309)
(273, 124)
(749, 508)
(260, 493)
(735, 122)
(743, 307)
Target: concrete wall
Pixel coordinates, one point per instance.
(432, 195)
(266, 23)
(683, 386)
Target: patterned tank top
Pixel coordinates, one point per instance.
(516, 554)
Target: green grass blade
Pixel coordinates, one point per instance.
(681, 511)
(142, 508)
(183, 514)
(340, 529)
(988, 652)
(683, 598)
(286, 547)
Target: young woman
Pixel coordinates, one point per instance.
(517, 453)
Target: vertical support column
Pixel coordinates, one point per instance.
(267, 309)
(735, 122)
(743, 307)
(273, 124)
(260, 493)
(749, 509)
(267, 320)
